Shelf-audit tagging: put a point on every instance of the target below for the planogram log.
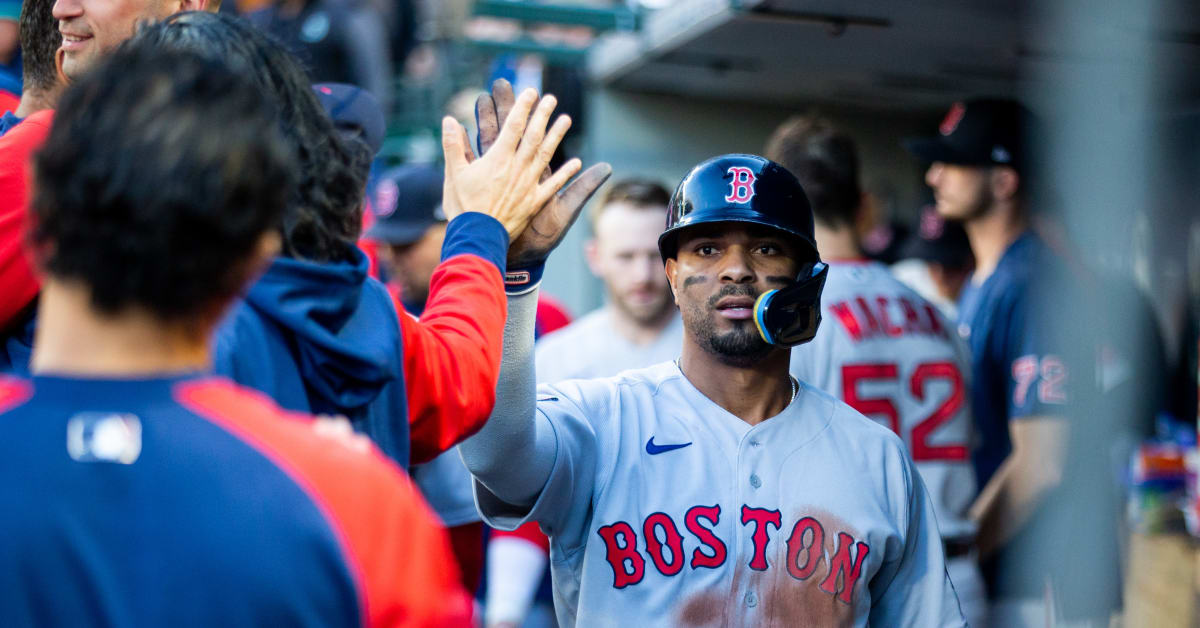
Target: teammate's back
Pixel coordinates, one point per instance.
(882, 348)
(189, 501)
(135, 491)
(889, 354)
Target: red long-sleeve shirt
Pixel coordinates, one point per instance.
(452, 354)
(18, 283)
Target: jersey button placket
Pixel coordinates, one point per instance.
(754, 481)
(751, 599)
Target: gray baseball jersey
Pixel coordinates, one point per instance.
(591, 347)
(889, 354)
(446, 485)
(663, 510)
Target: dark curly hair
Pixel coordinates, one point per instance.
(160, 176)
(825, 161)
(40, 40)
(324, 216)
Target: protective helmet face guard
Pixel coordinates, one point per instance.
(790, 316)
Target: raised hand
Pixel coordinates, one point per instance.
(551, 223)
(507, 181)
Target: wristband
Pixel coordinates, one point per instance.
(522, 280)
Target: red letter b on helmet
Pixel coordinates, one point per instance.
(741, 188)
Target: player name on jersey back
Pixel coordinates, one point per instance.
(665, 510)
(881, 315)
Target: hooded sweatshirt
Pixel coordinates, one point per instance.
(325, 338)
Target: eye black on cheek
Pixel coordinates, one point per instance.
(694, 279)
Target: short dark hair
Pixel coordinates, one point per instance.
(324, 216)
(640, 193)
(825, 161)
(161, 174)
(40, 41)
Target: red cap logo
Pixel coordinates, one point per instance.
(953, 117)
(387, 193)
(932, 224)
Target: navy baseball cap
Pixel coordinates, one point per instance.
(938, 240)
(407, 201)
(355, 112)
(985, 132)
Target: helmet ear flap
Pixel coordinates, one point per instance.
(790, 316)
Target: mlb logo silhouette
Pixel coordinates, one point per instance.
(741, 188)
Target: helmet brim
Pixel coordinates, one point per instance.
(668, 241)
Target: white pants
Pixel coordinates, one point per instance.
(968, 583)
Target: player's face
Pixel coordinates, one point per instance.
(625, 256)
(962, 192)
(717, 275)
(412, 265)
(91, 27)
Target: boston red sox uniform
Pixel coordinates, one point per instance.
(890, 354)
(663, 509)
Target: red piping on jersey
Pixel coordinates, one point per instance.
(13, 392)
(220, 401)
(397, 553)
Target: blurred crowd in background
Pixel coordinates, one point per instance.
(421, 59)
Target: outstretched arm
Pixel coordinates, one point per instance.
(514, 453)
(515, 431)
(452, 355)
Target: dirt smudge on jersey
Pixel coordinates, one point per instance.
(783, 601)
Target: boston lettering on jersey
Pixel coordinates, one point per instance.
(866, 317)
(806, 548)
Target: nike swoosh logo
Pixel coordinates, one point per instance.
(654, 450)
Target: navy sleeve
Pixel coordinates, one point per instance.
(1037, 368)
(473, 233)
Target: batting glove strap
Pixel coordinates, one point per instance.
(522, 280)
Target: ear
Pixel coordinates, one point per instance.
(268, 247)
(865, 216)
(671, 269)
(1005, 182)
(591, 253)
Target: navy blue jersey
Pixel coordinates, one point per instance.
(187, 501)
(1017, 360)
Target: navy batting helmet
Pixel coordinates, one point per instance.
(739, 188)
(751, 189)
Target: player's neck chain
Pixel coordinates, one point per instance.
(795, 384)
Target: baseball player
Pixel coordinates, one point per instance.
(639, 325)
(883, 349)
(716, 489)
(141, 491)
(1015, 314)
